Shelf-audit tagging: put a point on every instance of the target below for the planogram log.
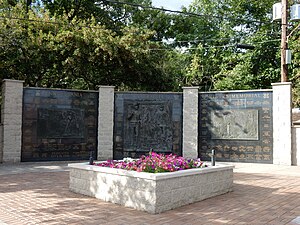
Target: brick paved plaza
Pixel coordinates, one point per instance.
(38, 194)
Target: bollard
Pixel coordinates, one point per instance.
(213, 157)
(91, 157)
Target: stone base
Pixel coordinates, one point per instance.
(153, 193)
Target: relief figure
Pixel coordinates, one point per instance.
(134, 119)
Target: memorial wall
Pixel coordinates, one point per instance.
(59, 124)
(237, 125)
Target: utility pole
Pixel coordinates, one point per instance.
(284, 44)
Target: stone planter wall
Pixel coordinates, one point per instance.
(154, 193)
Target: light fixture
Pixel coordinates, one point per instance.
(277, 11)
(245, 46)
(295, 13)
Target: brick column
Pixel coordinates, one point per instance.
(11, 119)
(105, 122)
(190, 122)
(282, 123)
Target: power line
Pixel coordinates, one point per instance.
(47, 22)
(193, 48)
(135, 5)
(160, 9)
(205, 40)
(32, 20)
(180, 12)
(139, 6)
(94, 27)
(197, 41)
(186, 49)
(216, 46)
(50, 22)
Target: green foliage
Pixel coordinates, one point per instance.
(254, 69)
(80, 44)
(111, 15)
(219, 65)
(52, 52)
(294, 68)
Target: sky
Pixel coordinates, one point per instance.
(171, 4)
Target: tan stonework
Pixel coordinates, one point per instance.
(190, 122)
(11, 119)
(105, 122)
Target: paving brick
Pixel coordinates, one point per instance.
(263, 194)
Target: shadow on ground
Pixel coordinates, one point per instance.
(44, 198)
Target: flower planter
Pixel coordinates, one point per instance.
(151, 192)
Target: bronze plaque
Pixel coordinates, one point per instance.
(147, 121)
(234, 124)
(148, 125)
(59, 124)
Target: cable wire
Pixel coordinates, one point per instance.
(184, 13)
(216, 46)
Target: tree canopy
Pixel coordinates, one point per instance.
(129, 44)
(54, 51)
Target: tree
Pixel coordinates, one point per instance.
(82, 44)
(55, 52)
(110, 14)
(228, 23)
(294, 69)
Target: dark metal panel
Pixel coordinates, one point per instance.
(147, 121)
(237, 125)
(59, 124)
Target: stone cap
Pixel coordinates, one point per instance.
(192, 87)
(15, 81)
(150, 176)
(296, 122)
(281, 83)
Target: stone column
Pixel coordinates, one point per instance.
(105, 122)
(282, 123)
(190, 122)
(1, 141)
(296, 145)
(11, 119)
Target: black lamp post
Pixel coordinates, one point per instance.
(213, 157)
(91, 159)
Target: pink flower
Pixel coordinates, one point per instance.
(154, 163)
